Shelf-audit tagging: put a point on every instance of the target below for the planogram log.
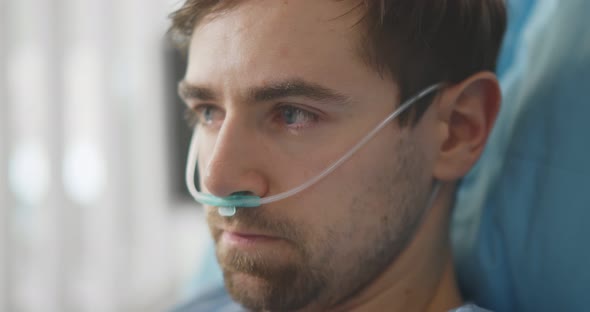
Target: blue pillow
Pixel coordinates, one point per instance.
(522, 217)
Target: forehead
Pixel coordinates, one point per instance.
(266, 39)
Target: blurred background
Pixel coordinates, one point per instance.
(94, 215)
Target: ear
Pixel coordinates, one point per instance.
(466, 114)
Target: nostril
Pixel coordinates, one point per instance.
(242, 193)
(231, 210)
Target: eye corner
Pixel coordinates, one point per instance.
(190, 117)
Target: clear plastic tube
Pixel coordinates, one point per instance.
(250, 201)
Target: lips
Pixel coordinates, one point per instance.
(249, 235)
(242, 238)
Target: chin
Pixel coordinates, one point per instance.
(278, 288)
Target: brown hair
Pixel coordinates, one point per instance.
(417, 42)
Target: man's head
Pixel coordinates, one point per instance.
(284, 88)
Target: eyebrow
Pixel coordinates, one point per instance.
(296, 88)
(187, 91)
(273, 91)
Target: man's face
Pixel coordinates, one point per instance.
(283, 94)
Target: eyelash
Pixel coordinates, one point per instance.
(194, 116)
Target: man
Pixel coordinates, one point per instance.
(282, 89)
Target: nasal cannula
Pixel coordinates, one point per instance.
(227, 205)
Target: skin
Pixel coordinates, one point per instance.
(364, 238)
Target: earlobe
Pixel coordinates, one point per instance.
(466, 115)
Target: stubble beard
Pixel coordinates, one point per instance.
(315, 279)
(288, 285)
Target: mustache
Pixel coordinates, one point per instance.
(256, 219)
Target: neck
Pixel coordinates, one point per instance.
(423, 277)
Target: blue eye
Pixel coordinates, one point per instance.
(206, 115)
(295, 117)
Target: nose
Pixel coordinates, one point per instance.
(234, 163)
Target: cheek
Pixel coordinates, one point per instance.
(367, 176)
(366, 193)
(347, 202)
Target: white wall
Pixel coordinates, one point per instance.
(87, 221)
